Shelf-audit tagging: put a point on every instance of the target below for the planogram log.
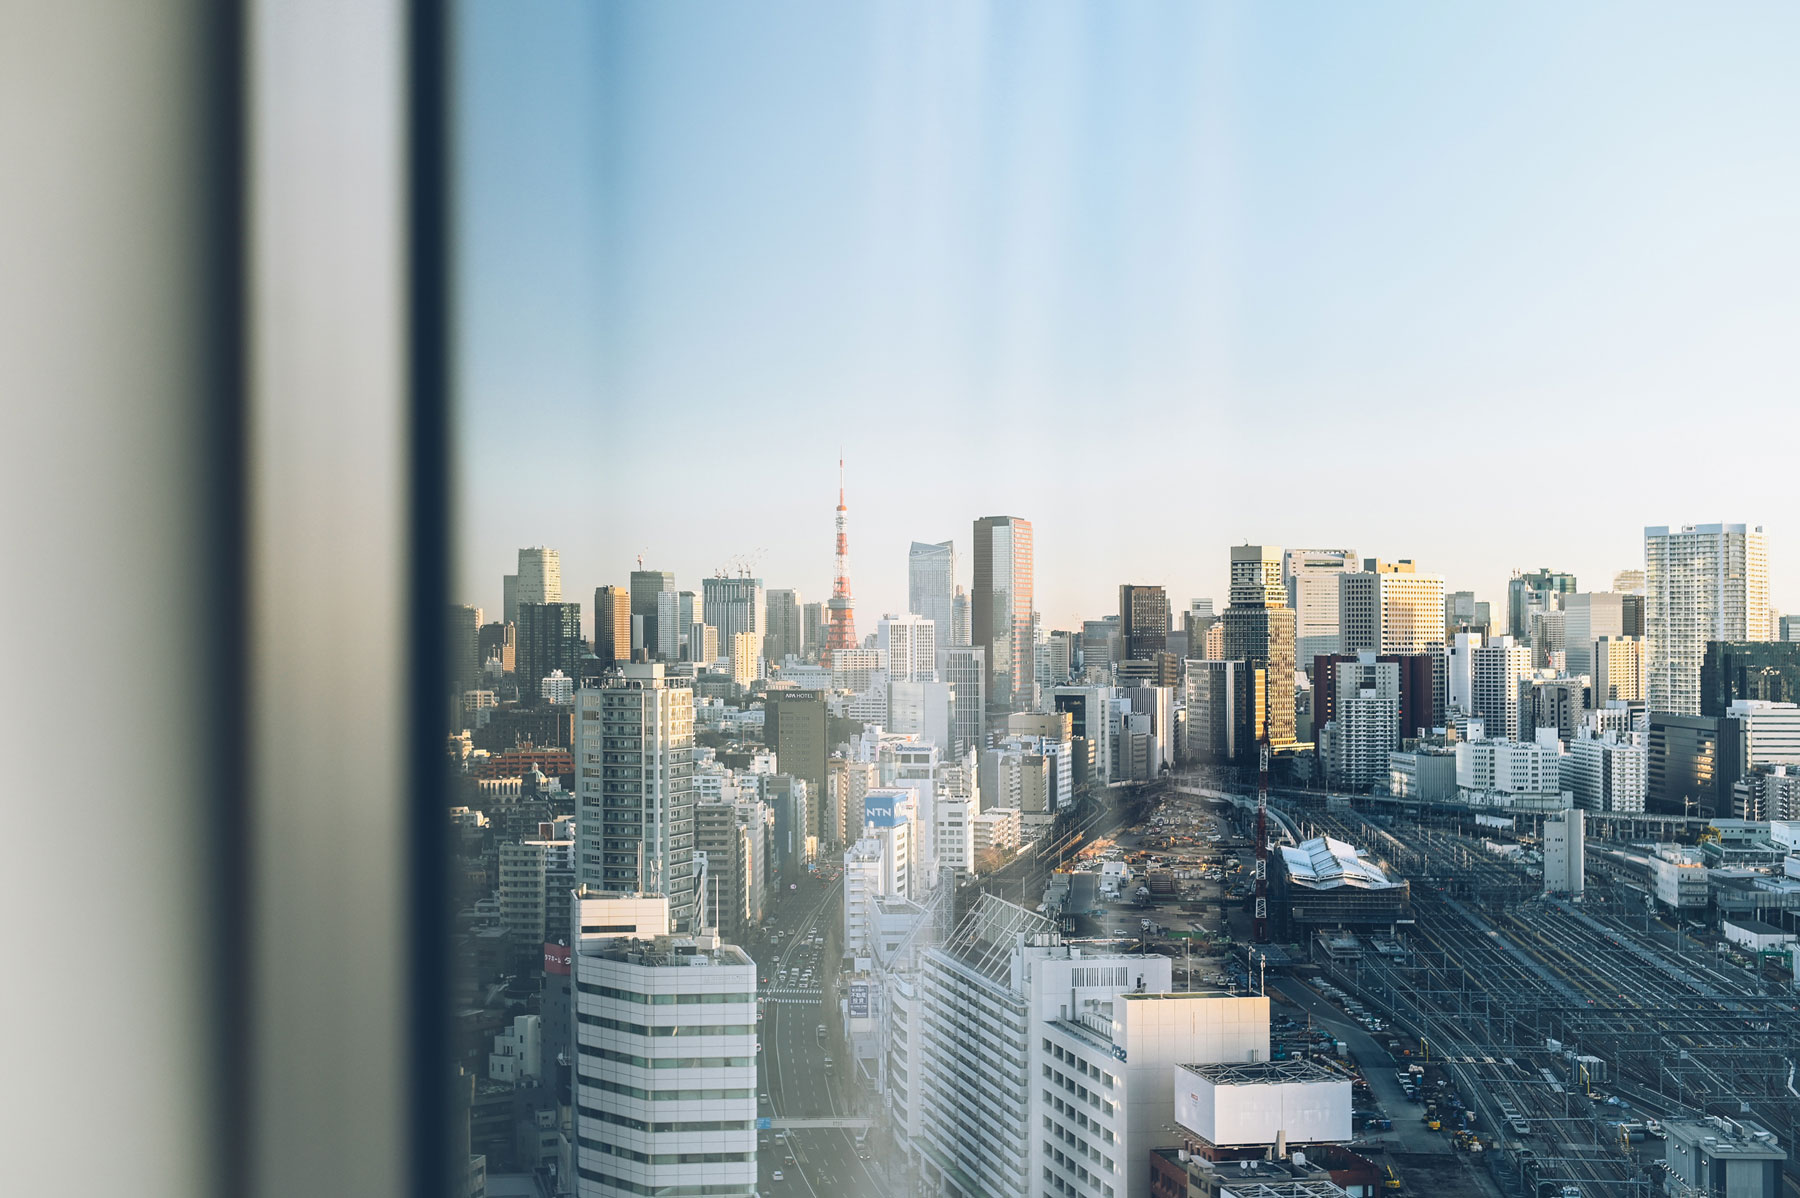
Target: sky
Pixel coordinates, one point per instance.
(1489, 287)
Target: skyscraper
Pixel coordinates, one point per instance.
(612, 624)
(1259, 631)
(959, 618)
(812, 618)
(931, 585)
(465, 646)
(786, 633)
(1311, 577)
(840, 611)
(1000, 610)
(966, 673)
(1497, 670)
(1765, 671)
(795, 725)
(910, 642)
(549, 639)
(1703, 582)
(735, 606)
(676, 613)
(509, 599)
(635, 826)
(646, 585)
(540, 576)
(1143, 620)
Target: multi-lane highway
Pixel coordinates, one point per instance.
(797, 1084)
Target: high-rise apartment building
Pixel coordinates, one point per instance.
(634, 744)
(1365, 721)
(1586, 617)
(1703, 582)
(549, 639)
(1143, 620)
(786, 635)
(910, 642)
(1001, 610)
(746, 658)
(540, 576)
(1498, 668)
(646, 585)
(658, 1112)
(612, 625)
(931, 585)
(735, 606)
(1311, 576)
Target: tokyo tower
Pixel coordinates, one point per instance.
(840, 630)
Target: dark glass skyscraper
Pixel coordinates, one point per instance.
(1143, 620)
(549, 639)
(1731, 670)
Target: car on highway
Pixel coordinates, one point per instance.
(827, 1062)
(779, 1175)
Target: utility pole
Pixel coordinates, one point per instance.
(1261, 928)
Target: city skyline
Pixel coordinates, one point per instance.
(888, 593)
(1446, 248)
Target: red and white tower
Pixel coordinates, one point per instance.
(840, 628)
(1260, 934)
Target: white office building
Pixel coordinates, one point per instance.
(1565, 854)
(926, 710)
(665, 1071)
(910, 645)
(1510, 773)
(1774, 731)
(1608, 771)
(1498, 668)
(1311, 576)
(634, 787)
(1459, 671)
(1702, 582)
(1044, 1069)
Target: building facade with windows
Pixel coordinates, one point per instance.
(635, 787)
(1702, 582)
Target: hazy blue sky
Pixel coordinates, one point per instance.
(1486, 286)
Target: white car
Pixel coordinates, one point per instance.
(779, 1175)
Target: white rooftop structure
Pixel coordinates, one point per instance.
(1324, 862)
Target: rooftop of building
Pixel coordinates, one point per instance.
(1265, 1178)
(1324, 862)
(1726, 1137)
(663, 951)
(1757, 927)
(1265, 1073)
